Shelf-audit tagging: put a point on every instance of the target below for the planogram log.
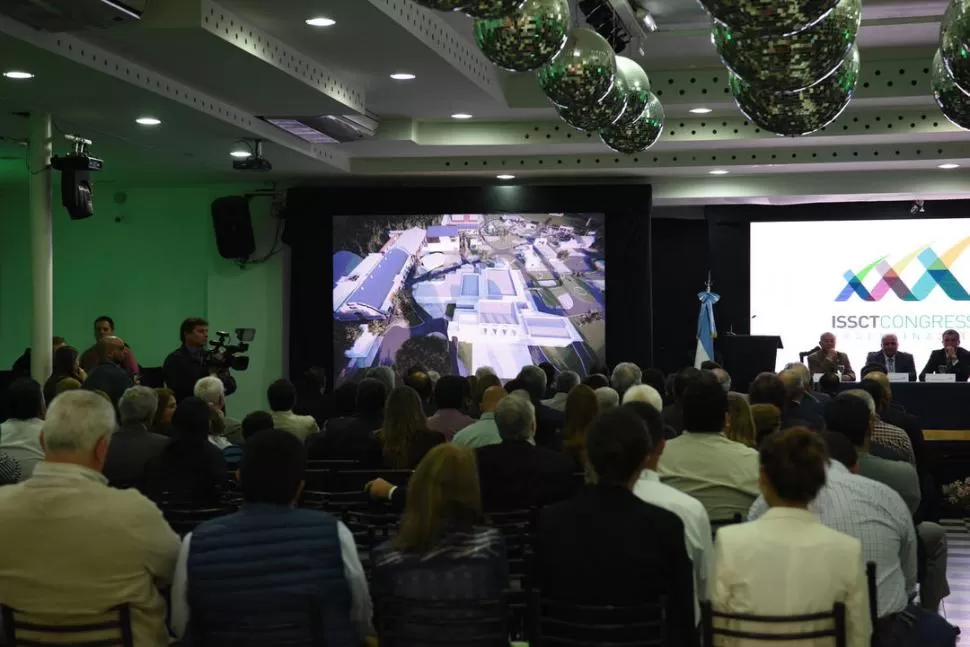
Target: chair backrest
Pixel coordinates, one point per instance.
(336, 503)
(184, 520)
(873, 600)
(403, 622)
(282, 621)
(332, 464)
(717, 524)
(109, 629)
(518, 529)
(370, 529)
(562, 624)
(829, 624)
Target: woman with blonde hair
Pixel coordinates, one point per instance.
(444, 550)
(582, 406)
(404, 435)
(740, 425)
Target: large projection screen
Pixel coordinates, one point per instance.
(860, 279)
(457, 292)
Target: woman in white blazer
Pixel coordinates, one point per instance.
(787, 562)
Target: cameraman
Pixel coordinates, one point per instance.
(190, 362)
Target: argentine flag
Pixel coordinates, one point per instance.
(706, 331)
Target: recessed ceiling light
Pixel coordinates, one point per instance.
(701, 111)
(148, 121)
(505, 176)
(403, 76)
(718, 171)
(947, 167)
(18, 75)
(320, 21)
(461, 115)
(241, 154)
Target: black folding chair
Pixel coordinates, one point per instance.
(332, 464)
(873, 600)
(354, 480)
(184, 520)
(717, 524)
(518, 528)
(834, 621)
(403, 622)
(281, 621)
(336, 503)
(370, 529)
(562, 624)
(26, 629)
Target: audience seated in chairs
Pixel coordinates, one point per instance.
(444, 551)
(404, 438)
(68, 542)
(190, 470)
(282, 398)
(162, 424)
(64, 365)
(485, 431)
(760, 568)
(596, 381)
(516, 474)
(801, 409)
(132, 444)
(20, 434)
(608, 547)
(564, 384)
(278, 552)
(625, 375)
(768, 388)
(344, 401)
(740, 423)
(697, 525)
(892, 438)
(581, 408)
(212, 391)
(701, 462)
(352, 437)
(452, 395)
(482, 383)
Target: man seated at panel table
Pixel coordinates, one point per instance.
(949, 359)
(892, 359)
(828, 360)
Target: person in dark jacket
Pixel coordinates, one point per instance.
(190, 470)
(353, 438)
(132, 444)
(108, 375)
(549, 422)
(187, 364)
(516, 474)
(608, 547)
(444, 550)
(257, 568)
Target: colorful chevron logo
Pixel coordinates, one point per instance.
(937, 274)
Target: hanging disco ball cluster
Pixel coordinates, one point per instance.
(591, 88)
(951, 66)
(793, 64)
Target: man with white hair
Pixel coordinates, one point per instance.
(625, 375)
(482, 371)
(644, 393)
(607, 398)
(565, 382)
(212, 391)
(69, 543)
(132, 444)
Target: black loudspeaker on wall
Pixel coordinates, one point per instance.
(77, 195)
(234, 227)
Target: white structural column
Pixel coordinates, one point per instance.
(41, 245)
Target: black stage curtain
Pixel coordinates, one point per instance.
(310, 211)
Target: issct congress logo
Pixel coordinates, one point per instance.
(937, 273)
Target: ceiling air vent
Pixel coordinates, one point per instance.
(73, 15)
(327, 129)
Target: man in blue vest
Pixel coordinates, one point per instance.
(271, 564)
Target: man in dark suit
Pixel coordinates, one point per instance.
(949, 359)
(516, 474)
(132, 444)
(608, 547)
(892, 359)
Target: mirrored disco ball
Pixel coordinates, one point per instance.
(795, 62)
(637, 85)
(592, 117)
(955, 42)
(641, 134)
(582, 73)
(779, 17)
(802, 112)
(954, 102)
(443, 5)
(490, 8)
(528, 38)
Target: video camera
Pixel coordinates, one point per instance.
(232, 357)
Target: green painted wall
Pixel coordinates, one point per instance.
(148, 259)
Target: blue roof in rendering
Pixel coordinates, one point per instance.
(374, 289)
(344, 263)
(439, 231)
(469, 285)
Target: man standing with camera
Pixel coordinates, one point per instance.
(190, 362)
